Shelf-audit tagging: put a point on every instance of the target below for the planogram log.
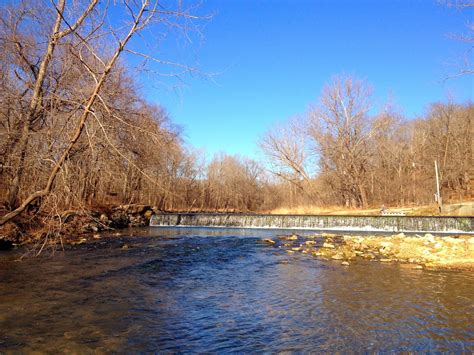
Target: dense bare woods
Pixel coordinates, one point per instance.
(74, 129)
(372, 158)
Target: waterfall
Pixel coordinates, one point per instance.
(372, 223)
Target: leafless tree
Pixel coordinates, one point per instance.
(74, 51)
(342, 129)
(285, 147)
(467, 37)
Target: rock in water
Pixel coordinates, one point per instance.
(289, 237)
(328, 245)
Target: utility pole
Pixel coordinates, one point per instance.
(438, 195)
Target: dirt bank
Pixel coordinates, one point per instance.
(73, 226)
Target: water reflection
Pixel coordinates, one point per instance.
(216, 290)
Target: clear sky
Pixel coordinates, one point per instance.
(274, 56)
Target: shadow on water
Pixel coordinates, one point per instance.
(208, 290)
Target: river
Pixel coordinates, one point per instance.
(191, 290)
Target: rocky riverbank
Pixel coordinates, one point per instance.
(416, 251)
(73, 226)
(423, 252)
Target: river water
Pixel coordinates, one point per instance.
(220, 290)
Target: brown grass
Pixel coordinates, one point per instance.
(428, 210)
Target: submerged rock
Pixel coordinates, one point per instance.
(327, 235)
(411, 266)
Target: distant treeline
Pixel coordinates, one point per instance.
(360, 157)
(75, 133)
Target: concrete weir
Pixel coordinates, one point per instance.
(348, 223)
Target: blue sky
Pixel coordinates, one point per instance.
(274, 56)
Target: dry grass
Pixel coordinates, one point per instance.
(330, 210)
(428, 210)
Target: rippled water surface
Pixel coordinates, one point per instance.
(208, 290)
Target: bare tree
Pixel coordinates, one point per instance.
(286, 149)
(40, 74)
(467, 37)
(233, 183)
(342, 129)
(79, 35)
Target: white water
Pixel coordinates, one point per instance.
(450, 225)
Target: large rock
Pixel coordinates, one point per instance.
(137, 221)
(119, 219)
